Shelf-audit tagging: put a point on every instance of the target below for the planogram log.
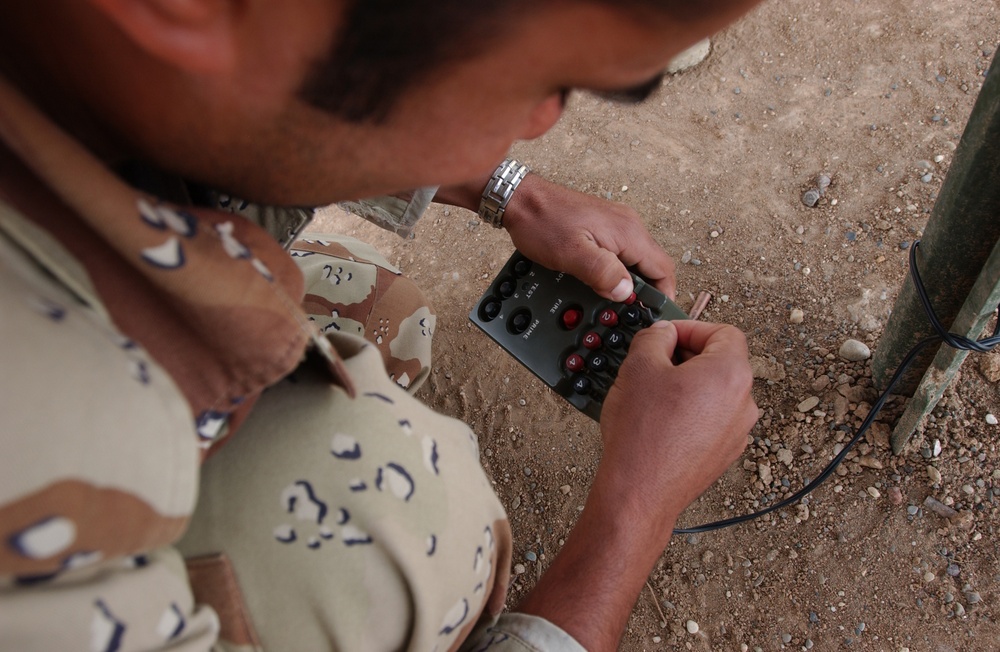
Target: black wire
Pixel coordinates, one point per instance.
(941, 335)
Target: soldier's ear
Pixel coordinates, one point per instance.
(193, 35)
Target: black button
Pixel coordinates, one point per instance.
(615, 339)
(581, 385)
(519, 321)
(506, 288)
(489, 309)
(632, 315)
(522, 267)
(597, 362)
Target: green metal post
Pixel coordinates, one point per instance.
(961, 234)
(972, 319)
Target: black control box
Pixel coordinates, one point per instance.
(566, 334)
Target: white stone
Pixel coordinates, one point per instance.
(692, 627)
(690, 57)
(855, 351)
(990, 419)
(796, 316)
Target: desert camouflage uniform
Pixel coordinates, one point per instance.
(137, 335)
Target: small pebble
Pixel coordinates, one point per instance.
(912, 510)
(959, 610)
(953, 570)
(874, 493)
(786, 638)
(796, 316)
(927, 178)
(531, 556)
(929, 576)
(810, 197)
(519, 569)
(991, 419)
(808, 404)
(973, 597)
(692, 627)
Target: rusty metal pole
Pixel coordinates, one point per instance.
(963, 230)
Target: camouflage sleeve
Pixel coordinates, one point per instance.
(516, 632)
(398, 213)
(351, 288)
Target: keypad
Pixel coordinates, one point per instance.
(570, 337)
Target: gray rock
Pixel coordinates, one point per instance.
(855, 351)
(810, 197)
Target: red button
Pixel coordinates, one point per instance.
(630, 300)
(592, 341)
(608, 318)
(574, 362)
(572, 318)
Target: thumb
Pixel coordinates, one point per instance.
(603, 272)
(656, 343)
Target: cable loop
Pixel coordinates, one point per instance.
(953, 340)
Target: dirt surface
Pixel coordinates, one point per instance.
(874, 95)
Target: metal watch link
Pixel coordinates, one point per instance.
(499, 190)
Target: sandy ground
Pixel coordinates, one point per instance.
(875, 95)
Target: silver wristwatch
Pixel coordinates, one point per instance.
(499, 190)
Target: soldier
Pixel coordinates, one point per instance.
(143, 321)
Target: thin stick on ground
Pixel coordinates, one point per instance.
(656, 603)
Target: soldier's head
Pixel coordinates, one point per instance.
(311, 101)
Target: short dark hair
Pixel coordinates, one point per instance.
(386, 46)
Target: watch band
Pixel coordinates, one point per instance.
(499, 190)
